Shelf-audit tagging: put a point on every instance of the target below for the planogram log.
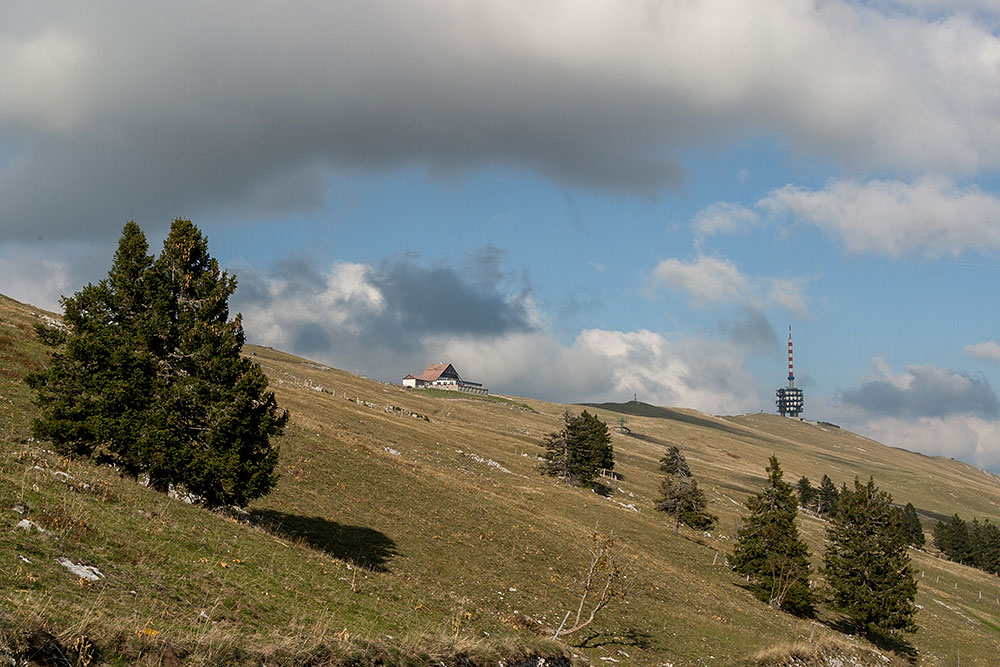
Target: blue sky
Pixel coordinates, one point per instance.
(575, 200)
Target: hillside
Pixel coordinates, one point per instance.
(409, 527)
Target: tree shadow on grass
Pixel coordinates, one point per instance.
(884, 641)
(629, 637)
(362, 546)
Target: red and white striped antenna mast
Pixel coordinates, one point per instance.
(790, 400)
(791, 373)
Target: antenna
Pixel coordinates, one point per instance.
(791, 373)
(790, 400)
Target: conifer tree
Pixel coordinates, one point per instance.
(673, 463)
(96, 390)
(769, 550)
(680, 496)
(984, 538)
(595, 441)
(826, 498)
(911, 525)
(866, 562)
(953, 539)
(557, 450)
(151, 377)
(578, 450)
(807, 494)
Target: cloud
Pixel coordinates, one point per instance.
(931, 215)
(753, 332)
(41, 275)
(988, 350)
(107, 115)
(606, 365)
(712, 281)
(724, 218)
(923, 391)
(970, 439)
(385, 310)
(35, 281)
(394, 318)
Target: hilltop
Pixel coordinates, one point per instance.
(410, 527)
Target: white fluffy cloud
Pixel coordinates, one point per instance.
(724, 218)
(604, 365)
(342, 300)
(253, 104)
(712, 281)
(988, 350)
(931, 216)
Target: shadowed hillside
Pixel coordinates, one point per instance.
(408, 528)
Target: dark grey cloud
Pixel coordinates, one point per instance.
(440, 300)
(925, 391)
(383, 315)
(150, 111)
(754, 333)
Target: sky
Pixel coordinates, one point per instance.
(572, 200)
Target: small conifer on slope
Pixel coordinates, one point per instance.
(769, 550)
(680, 496)
(151, 378)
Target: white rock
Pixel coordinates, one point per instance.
(88, 572)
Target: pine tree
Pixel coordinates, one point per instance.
(579, 450)
(911, 525)
(97, 388)
(595, 442)
(953, 539)
(769, 550)
(866, 562)
(673, 463)
(680, 496)
(807, 494)
(152, 380)
(217, 416)
(556, 458)
(827, 496)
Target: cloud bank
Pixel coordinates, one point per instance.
(930, 410)
(389, 320)
(252, 107)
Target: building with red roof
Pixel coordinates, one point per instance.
(443, 376)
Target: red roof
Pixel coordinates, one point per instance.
(434, 371)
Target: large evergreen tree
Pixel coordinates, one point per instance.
(97, 389)
(151, 377)
(680, 496)
(769, 550)
(579, 450)
(866, 562)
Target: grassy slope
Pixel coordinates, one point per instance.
(465, 546)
